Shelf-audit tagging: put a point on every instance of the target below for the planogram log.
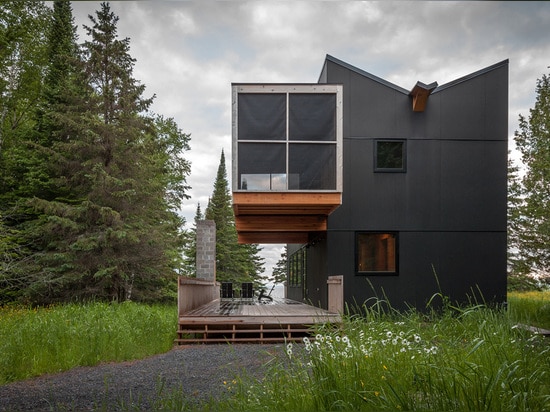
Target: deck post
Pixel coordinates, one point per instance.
(336, 294)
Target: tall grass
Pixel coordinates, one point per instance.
(57, 338)
(462, 359)
(532, 308)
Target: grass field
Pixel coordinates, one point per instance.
(531, 308)
(471, 358)
(57, 338)
(468, 359)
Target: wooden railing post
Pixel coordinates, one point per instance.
(336, 294)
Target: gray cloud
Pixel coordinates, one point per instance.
(189, 52)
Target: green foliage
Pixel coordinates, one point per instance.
(93, 182)
(530, 219)
(280, 268)
(234, 262)
(522, 282)
(23, 51)
(190, 250)
(463, 359)
(57, 338)
(530, 308)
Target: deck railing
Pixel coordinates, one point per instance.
(195, 292)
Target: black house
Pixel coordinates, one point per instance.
(422, 175)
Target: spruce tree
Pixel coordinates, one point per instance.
(533, 223)
(234, 262)
(110, 229)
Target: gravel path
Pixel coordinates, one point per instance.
(198, 370)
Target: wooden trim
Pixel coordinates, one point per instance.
(420, 94)
(273, 237)
(291, 198)
(281, 223)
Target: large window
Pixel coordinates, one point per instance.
(376, 253)
(297, 268)
(287, 137)
(390, 156)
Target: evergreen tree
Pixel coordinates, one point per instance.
(23, 61)
(234, 262)
(279, 274)
(532, 227)
(190, 261)
(110, 229)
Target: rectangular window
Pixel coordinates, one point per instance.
(297, 268)
(390, 156)
(312, 116)
(376, 253)
(262, 116)
(287, 137)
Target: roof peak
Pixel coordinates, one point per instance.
(405, 91)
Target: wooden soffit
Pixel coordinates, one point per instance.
(282, 217)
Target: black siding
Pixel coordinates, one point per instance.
(449, 208)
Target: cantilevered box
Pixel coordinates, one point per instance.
(287, 160)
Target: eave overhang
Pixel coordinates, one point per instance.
(282, 217)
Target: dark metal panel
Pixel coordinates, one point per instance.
(496, 102)
(316, 281)
(474, 263)
(458, 264)
(338, 75)
(449, 207)
(449, 185)
(372, 107)
(473, 185)
(463, 110)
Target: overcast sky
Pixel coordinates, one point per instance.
(189, 52)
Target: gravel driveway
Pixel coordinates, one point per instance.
(198, 370)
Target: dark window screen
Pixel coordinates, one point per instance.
(262, 116)
(261, 161)
(312, 166)
(312, 117)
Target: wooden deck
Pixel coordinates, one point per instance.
(242, 320)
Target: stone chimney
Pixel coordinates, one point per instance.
(206, 249)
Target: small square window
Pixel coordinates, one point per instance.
(390, 156)
(376, 253)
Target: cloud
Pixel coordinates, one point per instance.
(189, 53)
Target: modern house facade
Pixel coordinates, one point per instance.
(422, 197)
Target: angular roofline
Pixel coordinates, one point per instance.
(364, 73)
(471, 75)
(405, 91)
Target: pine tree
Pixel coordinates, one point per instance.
(234, 262)
(533, 142)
